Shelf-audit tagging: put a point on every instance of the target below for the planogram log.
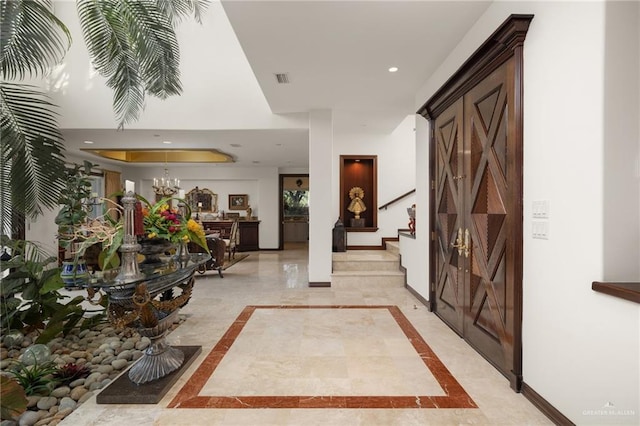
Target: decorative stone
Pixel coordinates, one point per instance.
(13, 338)
(119, 364)
(77, 393)
(33, 400)
(126, 354)
(67, 402)
(61, 391)
(143, 343)
(127, 345)
(85, 397)
(76, 383)
(47, 402)
(36, 354)
(28, 418)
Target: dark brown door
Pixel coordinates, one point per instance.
(449, 292)
(488, 323)
(475, 175)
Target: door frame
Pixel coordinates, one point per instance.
(281, 178)
(506, 42)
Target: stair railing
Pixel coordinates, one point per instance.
(384, 206)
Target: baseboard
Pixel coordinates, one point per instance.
(417, 295)
(544, 406)
(319, 283)
(365, 248)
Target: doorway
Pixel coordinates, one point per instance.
(294, 210)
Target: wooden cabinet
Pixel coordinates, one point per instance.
(248, 229)
(296, 231)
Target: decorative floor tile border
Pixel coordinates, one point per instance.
(456, 396)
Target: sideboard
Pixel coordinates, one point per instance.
(248, 229)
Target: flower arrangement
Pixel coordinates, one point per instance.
(160, 220)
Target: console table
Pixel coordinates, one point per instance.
(248, 229)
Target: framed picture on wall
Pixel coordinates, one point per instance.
(238, 201)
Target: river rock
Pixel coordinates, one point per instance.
(61, 391)
(119, 364)
(47, 402)
(126, 354)
(67, 402)
(76, 383)
(28, 418)
(106, 369)
(85, 397)
(128, 344)
(78, 354)
(32, 400)
(77, 393)
(143, 343)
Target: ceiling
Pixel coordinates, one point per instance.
(336, 55)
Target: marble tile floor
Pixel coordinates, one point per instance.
(276, 352)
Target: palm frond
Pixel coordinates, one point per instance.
(177, 9)
(31, 157)
(155, 41)
(32, 38)
(133, 44)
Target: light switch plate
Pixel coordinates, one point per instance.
(540, 209)
(540, 229)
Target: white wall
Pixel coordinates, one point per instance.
(621, 138)
(580, 348)
(259, 183)
(396, 176)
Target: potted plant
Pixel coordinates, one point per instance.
(76, 233)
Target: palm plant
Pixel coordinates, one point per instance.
(130, 42)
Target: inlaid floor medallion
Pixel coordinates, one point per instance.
(336, 356)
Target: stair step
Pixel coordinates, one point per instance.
(367, 279)
(393, 247)
(366, 265)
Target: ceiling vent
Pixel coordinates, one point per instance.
(283, 78)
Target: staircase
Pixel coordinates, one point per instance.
(361, 269)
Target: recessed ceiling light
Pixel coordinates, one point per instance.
(278, 144)
(255, 162)
(393, 69)
(235, 145)
(89, 142)
(167, 142)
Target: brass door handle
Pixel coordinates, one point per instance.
(467, 243)
(459, 243)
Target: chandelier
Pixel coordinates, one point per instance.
(166, 185)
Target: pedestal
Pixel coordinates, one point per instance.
(357, 223)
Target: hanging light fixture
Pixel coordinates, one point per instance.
(166, 185)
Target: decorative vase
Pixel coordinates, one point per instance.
(183, 252)
(73, 271)
(153, 248)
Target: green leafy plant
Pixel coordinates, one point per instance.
(13, 400)
(72, 216)
(69, 372)
(37, 278)
(35, 379)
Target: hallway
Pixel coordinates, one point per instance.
(315, 356)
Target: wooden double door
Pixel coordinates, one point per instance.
(478, 217)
